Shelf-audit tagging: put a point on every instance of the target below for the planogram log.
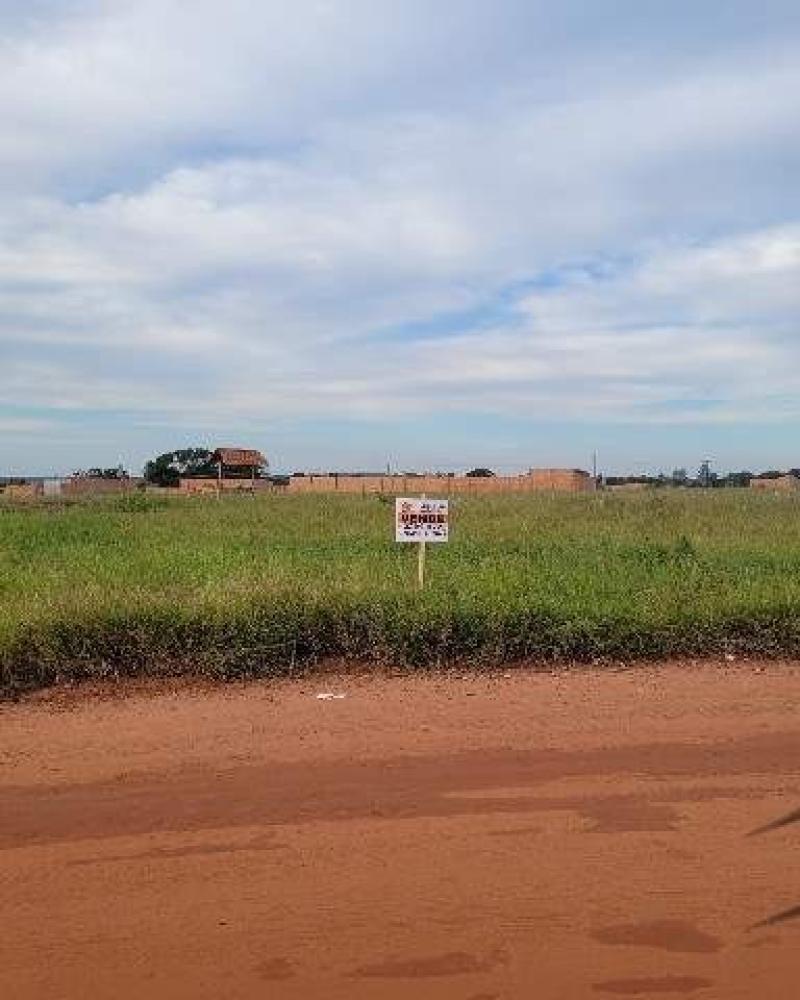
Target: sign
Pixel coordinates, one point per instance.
(421, 520)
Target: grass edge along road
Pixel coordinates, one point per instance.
(247, 585)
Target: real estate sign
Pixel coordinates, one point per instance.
(421, 520)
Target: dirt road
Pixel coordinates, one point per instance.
(558, 837)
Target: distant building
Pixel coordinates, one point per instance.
(237, 469)
(239, 463)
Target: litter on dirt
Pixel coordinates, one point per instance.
(330, 696)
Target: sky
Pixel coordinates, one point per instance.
(360, 233)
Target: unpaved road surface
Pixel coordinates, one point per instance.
(550, 836)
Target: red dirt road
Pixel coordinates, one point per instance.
(551, 836)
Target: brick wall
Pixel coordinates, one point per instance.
(89, 486)
(22, 491)
(209, 485)
(537, 480)
(782, 484)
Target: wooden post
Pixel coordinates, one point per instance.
(421, 561)
(219, 479)
(421, 565)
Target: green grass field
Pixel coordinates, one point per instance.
(242, 585)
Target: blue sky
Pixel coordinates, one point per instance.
(438, 235)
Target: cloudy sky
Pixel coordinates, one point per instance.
(434, 234)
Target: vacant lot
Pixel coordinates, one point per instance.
(249, 585)
(567, 837)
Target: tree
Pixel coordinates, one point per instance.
(118, 472)
(169, 468)
(480, 473)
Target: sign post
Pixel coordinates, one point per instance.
(421, 520)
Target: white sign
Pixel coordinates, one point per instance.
(417, 520)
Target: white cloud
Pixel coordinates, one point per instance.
(708, 329)
(240, 212)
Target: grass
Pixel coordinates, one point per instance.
(247, 585)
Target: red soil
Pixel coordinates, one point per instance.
(557, 836)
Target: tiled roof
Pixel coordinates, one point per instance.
(234, 457)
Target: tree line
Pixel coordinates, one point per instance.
(705, 478)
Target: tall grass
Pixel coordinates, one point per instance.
(249, 585)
